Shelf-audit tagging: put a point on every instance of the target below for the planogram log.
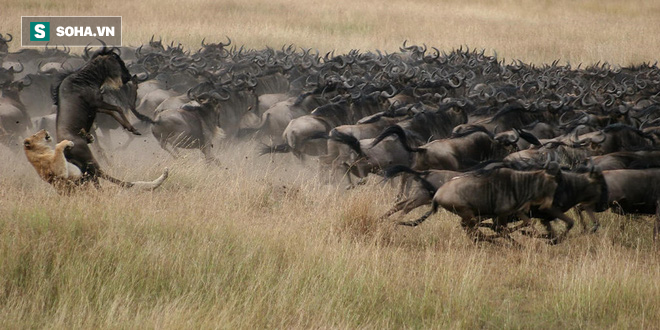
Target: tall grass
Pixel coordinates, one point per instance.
(262, 243)
(585, 31)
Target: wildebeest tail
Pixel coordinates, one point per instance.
(529, 137)
(316, 136)
(280, 148)
(348, 140)
(395, 170)
(415, 223)
(394, 130)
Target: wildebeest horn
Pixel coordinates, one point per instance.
(585, 118)
(152, 39)
(23, 83)
(10, 38)
(574, 138)
(105, 47)
(219, 97)
(561, 122)
(190, 97)
(22, 67)
(142, 76)
(227, 44)
(583, 101)
(610, 100)
(516, 136)
(457, 84)
(600, 133)
(394, 92)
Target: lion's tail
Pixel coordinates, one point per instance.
(143, 185)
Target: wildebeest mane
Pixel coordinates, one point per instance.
(87, 74)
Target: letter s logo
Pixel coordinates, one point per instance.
(39, 29)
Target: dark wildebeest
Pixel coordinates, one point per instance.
(302, 134)
(190, 126)
(616, 137)
(79, 97)
(584, 188)
(4, 47)
(495, 193)
(340, 154)
(421, 191)
(634, 192)
(363, 159)
(464, 150)
(628, 159)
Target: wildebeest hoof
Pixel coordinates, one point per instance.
(594, 229)
(135, 132)
(88, 137)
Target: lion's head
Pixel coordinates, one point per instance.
(37, 141)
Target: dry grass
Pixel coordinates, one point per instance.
(587, 31)
(261, 243)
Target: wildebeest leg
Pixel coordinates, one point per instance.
(116, 112)
(557, 214)
(590, 213)
(526, 222)
(208, 155)
(406, 205)
(416, 223)
(396, 208)
(346, 170)
(119, 116)
(594, 221)
(470, 225)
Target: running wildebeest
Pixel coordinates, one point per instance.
(79, 97)
(496, 193)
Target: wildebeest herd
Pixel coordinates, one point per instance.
(496, 143)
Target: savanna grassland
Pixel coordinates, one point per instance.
(261, 242)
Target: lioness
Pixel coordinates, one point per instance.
(51, 165)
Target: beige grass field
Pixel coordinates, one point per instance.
(261, 243)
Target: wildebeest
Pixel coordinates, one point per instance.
(301, 134)
(340, 154)
(14, 119)
(4, 47)
(420, 191)
(366, 159)
(627, 160)
(79, 97)
(615, 137)
(462, 150)
(633, 191)
(495, 193)
(188, 127)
